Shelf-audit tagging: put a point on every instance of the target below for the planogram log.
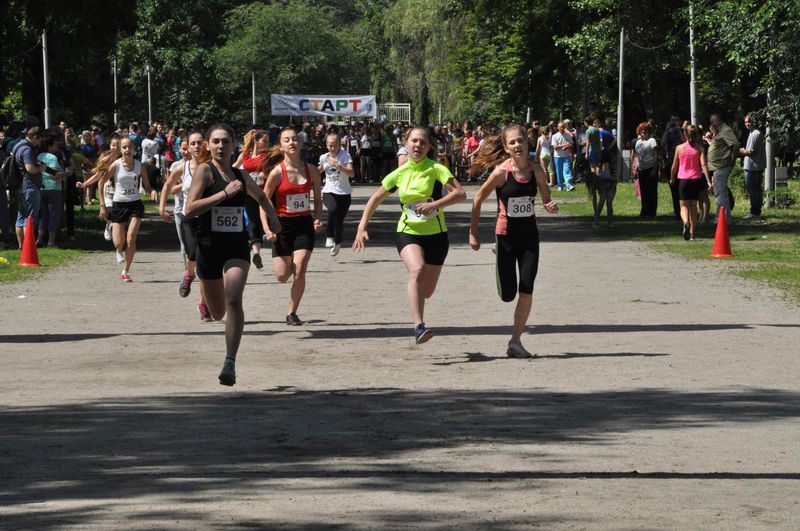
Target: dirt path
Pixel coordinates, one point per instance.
(665, 395)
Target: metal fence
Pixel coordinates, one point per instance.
(395, 112)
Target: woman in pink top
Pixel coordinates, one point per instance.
(688, 169)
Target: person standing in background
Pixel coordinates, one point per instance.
(672, 138)
(755, 160)
(722, 151)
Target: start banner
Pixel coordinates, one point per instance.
(296, 105)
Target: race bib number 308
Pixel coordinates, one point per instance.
(296, 203)
(520, 207)
(227, 219)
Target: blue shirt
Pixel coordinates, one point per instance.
(25, 153)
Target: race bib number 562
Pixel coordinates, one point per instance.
(227, 219)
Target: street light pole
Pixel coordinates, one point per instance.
(149, 100)
(46, 84)
(692, 79)
(620, 128)
(116, 114)
(253, 78)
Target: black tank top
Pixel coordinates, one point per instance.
(226, 218)
(515, 202)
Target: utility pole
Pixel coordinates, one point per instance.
(116, 115)
(46, 84)
(253, 78)
(620, 129)
(149, 100)
(692, 79)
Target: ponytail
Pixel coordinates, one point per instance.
(493, 151)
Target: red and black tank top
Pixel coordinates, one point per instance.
(515, 202)
(291, 199)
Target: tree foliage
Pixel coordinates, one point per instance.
(474, 59)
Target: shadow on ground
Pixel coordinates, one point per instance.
(193, 447)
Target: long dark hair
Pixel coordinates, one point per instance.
(493, 151)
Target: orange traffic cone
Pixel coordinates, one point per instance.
(722, 244)
(29, 256)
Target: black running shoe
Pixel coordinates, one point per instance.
(257, 261)
(422, 334)
(228, 374)
(686, 233)
(293, 320)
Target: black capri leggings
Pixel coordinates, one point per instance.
(517, 250)
(337, 206)
(254, 228)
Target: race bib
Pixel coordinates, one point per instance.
(332, 174)
(257, 177)
(296, 203)
(227, 219)
(520, 207)
(412, 215)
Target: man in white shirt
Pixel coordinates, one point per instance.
(562, 145)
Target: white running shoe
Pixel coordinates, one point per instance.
(328, 243)
(120, 257)
(335, 249)
(516, 350)
(107, 232)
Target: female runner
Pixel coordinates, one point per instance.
(193, 154)
(688, 169)
(421, 232)
(128, 210)
(104, 162)
(254, 150)
(289, 184)
(337, 166)
(216, 198)
(514, 180)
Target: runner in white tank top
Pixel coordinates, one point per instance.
(128, 210)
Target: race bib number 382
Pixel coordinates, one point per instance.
(227, 219)
(520, 207)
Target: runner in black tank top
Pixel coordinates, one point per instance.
(515, 179)
(216, 197)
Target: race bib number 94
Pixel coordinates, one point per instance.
(520, 207)
(413, 215)
(296, 203)
(227, 219)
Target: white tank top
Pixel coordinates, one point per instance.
(186, 184)
(126, 182)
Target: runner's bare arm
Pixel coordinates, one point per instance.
(269, 218)
(317, 187)
(196, 204)
(173, 178)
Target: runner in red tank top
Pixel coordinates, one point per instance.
(254, 151)
(290, 183)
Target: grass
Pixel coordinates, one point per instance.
(88, 240)
(767, 251)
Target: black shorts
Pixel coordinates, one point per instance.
(188, 228)
(123, 211)
(211, 259)
(689, 189)
(297, 234)
(434, 247)
(517, 250)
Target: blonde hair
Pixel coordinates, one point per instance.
(493, 151)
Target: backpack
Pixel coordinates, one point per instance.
(10, 172)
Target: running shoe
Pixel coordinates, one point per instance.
(205, 315)
(516, 350)
(422, 334)
(691, 238)
(328, 243)
(228, 374)
(571, 188)
(120, 257)
(186, 285)
(335, 249)
(107, 233)
(748, 216)
(293, 320)
(257, 261)
(126, 277)
(686, 231)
